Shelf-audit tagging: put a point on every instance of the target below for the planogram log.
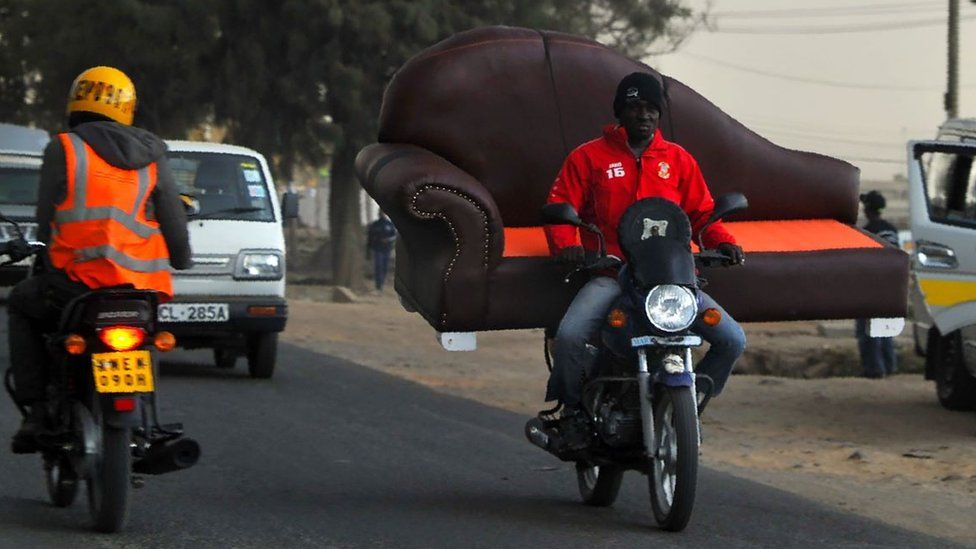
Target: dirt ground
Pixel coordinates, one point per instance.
(880, 448)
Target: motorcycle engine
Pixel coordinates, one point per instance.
(617, 427)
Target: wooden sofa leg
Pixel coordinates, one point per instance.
(458, 341)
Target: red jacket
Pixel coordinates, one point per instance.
(602, 178)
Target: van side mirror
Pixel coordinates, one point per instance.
(190, 204)
(728, 204)
(560, 213)
(289, 205)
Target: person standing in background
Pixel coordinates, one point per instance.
(877, 353)
(379, 243)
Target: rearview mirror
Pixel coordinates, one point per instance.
(728, 204)
(289, 205)
(190, 204)
(560, 213)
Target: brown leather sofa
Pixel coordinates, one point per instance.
(474, 129)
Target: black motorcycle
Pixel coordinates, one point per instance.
(642, 400)
(102, 420)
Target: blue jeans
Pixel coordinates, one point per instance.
(877, 353)
(381, 265)
(575, 357)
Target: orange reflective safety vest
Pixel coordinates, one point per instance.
(100, 234)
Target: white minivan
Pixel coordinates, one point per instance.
(21, 151)
(942, 199)
(233, 298)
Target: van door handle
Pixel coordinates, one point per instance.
(935, 256)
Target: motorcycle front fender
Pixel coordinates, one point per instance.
(683, 379)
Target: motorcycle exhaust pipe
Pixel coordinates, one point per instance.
(166, 458)
(536, 433)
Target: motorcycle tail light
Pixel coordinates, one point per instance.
(75, 344)
(122, 338)
(711, 317)
(617, 318)
(165, 341)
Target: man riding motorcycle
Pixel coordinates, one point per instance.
(601, 179)
(110, 213)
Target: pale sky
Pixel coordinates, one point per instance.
(881, 87)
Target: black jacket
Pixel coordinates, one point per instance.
(127, 148)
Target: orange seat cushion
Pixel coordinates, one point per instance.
(804, 235)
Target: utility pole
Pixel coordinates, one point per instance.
(952, 81)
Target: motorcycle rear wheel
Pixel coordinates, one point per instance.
(108, 486)
(598, 485)
(674, 466)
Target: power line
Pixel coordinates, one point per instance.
(803, 79)
(870, 9)
(837, 29)
(817, 136)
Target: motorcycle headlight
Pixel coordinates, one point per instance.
(671, 308)
(259, 266)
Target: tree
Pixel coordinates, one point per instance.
(291, 78)
(47, 43)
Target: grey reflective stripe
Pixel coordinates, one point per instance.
(79, 212)
(81, 171)
(143, 189)
(131, 263)
(104, 213)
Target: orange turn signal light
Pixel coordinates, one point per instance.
(711, 317)
(617, 318)
(122, 338)
(165, 341)
(75, 344)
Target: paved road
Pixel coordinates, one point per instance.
(333, 454)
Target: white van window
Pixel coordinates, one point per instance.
(950, 186)
(18, 185)
(228, 186)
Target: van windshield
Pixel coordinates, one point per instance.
(228, 186)
(18, 184)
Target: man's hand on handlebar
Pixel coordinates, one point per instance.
(571, 254)
(733, 252)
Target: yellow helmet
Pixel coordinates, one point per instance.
(106, 91)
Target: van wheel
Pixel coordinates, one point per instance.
(224, 358)
(262, 350)
(954, 385)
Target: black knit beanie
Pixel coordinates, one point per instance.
(873, 200)
(636, 86)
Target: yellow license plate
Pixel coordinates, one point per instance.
(125, 372)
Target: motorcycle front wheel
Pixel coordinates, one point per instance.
(598, 486)
(674, 465)
(62, 481)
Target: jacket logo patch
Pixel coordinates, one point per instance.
(615, 170)
(654, 228)
(663, 170)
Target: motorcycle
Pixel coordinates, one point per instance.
(642, 399)
(102, 418)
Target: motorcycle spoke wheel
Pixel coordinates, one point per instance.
(674, 464)
(598, 486)
(62, 481)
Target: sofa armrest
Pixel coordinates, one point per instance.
(451, 231)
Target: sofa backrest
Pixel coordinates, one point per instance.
(508, 104)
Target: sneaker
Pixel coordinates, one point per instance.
(24, 440)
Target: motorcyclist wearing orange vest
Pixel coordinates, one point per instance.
(111, 215)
